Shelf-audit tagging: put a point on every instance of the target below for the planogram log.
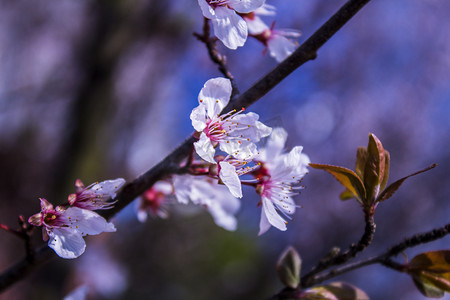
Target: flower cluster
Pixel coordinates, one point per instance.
(227, 145)
(275, 175)
(228, 25)
(234, 20)
(199, 190)
(64, 226)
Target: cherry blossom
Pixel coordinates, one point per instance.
(278, 180)
(279, 42)
(254, 23)
(64, 228)
(202, 190)
(233, 166)
(96, 195)
(153, 201)
(231, 131)
(228, 26)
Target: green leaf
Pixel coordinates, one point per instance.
(346, 177)
(335, 291)
(288, 268)
(374, 168)
(427, 288)
(346, 195)
(393, 187)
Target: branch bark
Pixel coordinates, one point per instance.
(354, 249)
(169, 165)
(385, 258)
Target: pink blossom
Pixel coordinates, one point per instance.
(278, 180)
(254, 23)
(202, 190)
(153, 201)
(98, 195)
(231, 167)
(228, 26)
(232, 131)
(64, 228)
(278, 42)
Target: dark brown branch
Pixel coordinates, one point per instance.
(307, 51)
(339, 259)
(214, 54)
(385, 258)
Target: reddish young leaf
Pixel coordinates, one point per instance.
(387, 161)
(393, 187)
(374, 168)
(361, 159)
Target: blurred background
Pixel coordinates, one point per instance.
(103, 89)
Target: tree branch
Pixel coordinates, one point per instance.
(385, 258)
(214, 54)
(354, 249)
(307, 51)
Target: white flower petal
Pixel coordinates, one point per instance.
(272, 216)
(87, 222)
(215, 95)
(141, 214)
(80, 293)
(266, 10)
(182, 185)
(230, 178)
(198, 117)
(275, 144)
(205, 149)
(256, 25)
(245, 6)
(229, 27)
(264, 224)
(108, 187)
(215, 197)
(255, 130)
(221, 217)
(298, 161)
(67, 243)
(207, 10)
(280, 47)
(291, 33)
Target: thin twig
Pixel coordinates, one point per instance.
(353, 250)
(385, 258)
(307, 51)
(216, 57)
